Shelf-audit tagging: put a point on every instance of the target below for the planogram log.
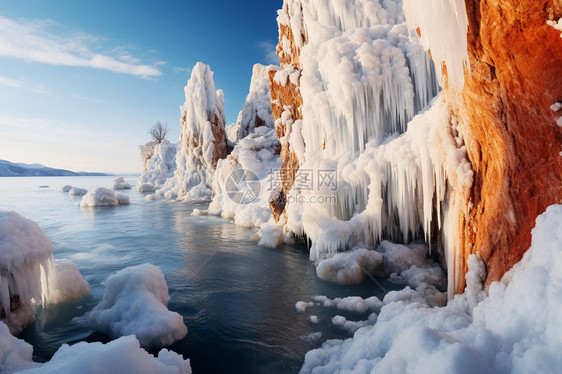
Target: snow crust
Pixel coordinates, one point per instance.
(202, 117)
(120, 184)
(103, 197)
(444, 26)
(29, 272)
(516, 329)
(135, 302)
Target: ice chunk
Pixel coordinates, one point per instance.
(123, 199)
(120, 184)
(135, 302)
(15, 354)
(99, 197)
(517, 328)
(350, 267)
(76, 191)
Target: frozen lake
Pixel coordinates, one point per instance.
(236, 298)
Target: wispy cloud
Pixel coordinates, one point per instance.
(21, 84)
(179, 69)
(31, 40)
(268, 48)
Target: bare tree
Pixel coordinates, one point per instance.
(159, 132)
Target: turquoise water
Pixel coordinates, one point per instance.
(236, 298)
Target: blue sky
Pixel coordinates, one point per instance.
(79, 83)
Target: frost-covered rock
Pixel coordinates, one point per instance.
(120, 184)
(135, 302)
(76, 191)
(29, 273)
(104, 197)
(243, 180)
(202, 139)
(516, 329)
(159, 167)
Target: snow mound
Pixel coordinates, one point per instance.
(516, 329)
(29, 274)
(135, 302)
(76, 191)
(350, 267)
(123, 355)
(120, 184)
(103, 197)
(65, 188)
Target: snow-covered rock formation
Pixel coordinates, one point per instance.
(159, 167)
(241, 181)
(202, 139)
(256, 111)
(29, 273)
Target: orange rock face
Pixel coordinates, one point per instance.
(285, 98)
(512, 137)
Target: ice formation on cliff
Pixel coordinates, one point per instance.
(135, 302)
(255, 158)
(516, 329)
(202, 140)
(29, 274)
(364, 75)
(159, 167)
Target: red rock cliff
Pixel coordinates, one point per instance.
(512, 137)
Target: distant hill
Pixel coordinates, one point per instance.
(10, 169)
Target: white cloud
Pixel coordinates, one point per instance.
(268, 48)
(30, 40)
(11, 82)
(179, 69)
(20, 84)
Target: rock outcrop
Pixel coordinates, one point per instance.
(511, 133)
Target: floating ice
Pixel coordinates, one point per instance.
(120, 184)
(99, 197)
(135, 302)
(76, 191)
(123, 199)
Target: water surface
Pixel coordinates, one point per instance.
(236, 298)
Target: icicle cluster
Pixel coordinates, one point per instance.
(443, 26)
(29, 273)
(363, 78)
